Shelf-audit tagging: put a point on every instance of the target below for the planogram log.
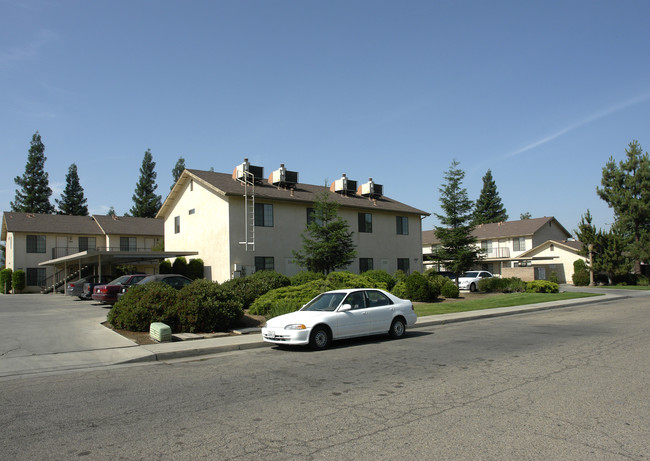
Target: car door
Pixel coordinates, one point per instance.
(381, 311)
(356, 321)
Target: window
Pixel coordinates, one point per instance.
(35, 276)
(264, 263)
(365, 264)
(192, 211)
(486, 246)
(35, 244)
(402, 225)
(128, 244)
(87, 243)
(177, 225)
(311, 217)
(376, 298)
(356, 299)
(264, 214)
(365, 222)
(519, 244)
(403, 265)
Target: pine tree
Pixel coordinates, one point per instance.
(626, 189)
(72, 200)
(525, 215)
(458, 251)
(327, 242)
(178, 170)
(146, 202)
(111, 212)
(489, 208)
(35, 192)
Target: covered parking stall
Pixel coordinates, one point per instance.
(103, 261)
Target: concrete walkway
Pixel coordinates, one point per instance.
(53, 333)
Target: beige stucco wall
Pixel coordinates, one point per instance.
(218, 225)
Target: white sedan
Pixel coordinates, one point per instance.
(342, 314)
(469, 280)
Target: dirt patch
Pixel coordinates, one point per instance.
(143, 337)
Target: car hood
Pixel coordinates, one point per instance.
(308, 318)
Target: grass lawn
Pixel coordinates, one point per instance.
(492, 301)
(625, 287)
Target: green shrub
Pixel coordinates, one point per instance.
(399, 290)
(195, 269)
(306, 276)
(449, 289)
(581, 278)
(205, 306)
(381, 276)
(290, 298)
(579, 265)
(502, 285)
(165, 267)
(542, 286)
(179, 266)
(18, 281)
(144, 304)
(418, 288)
(248, 289)
(642, 280)
(5, 280)
(400, 276)
(553, 277)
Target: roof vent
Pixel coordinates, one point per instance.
(344, 186)
(240, 171)
(283, 177)
(370, 189)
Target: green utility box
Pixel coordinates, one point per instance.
(160, 332)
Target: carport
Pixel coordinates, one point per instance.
(112, 258)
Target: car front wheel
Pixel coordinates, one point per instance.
(472, 287)
(397, 328)
(320, 338)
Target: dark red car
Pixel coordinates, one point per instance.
(107, 294)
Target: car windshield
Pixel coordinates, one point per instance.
(119, 280)
(325, 302)
(470, 274)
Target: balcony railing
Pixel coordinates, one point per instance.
(60, 252)
(501, 252)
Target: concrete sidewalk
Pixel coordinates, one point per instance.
(98, 346)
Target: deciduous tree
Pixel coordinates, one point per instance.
(327, 241)
(34, 194)
(146, 202)
(72, 200)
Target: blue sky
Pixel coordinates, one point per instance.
(541, 93)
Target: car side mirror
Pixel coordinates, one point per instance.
(345, 307)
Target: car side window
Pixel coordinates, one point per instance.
(376, 298)
(357, 300)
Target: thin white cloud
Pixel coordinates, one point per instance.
(28, 51)
(592, 118)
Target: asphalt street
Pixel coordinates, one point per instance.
(566, 383)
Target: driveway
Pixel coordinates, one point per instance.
(47, 331)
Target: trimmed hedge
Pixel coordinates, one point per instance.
(5, 280)
(18, 280)
(418, 288)
(381, 276)
(502, 285)
(306, 276)
(143, 304)
(450, 289)
(195, 269)
(248, 289)
(542, 286)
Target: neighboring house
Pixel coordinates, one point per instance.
(51, 248)
(531, 249)
(243, 222)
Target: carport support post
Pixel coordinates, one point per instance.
(65, 277)
(100, 266)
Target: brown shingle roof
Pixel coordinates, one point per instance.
(303, 193)
(518, 228)
(128, 225)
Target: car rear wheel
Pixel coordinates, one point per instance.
(397, 328)
(320, 338)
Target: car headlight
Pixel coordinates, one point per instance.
(295, 327)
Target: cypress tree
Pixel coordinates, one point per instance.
(72, 200)
(34, 194)
(178, 170)
(146, 202)
(489, 208)
(458, 250)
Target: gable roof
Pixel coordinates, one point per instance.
(572, 246)
(225, 185)
(129, 225)
(78, 225)
(520, 228)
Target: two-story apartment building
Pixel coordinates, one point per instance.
(245, 222)
(50, 248)
(531, 249)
